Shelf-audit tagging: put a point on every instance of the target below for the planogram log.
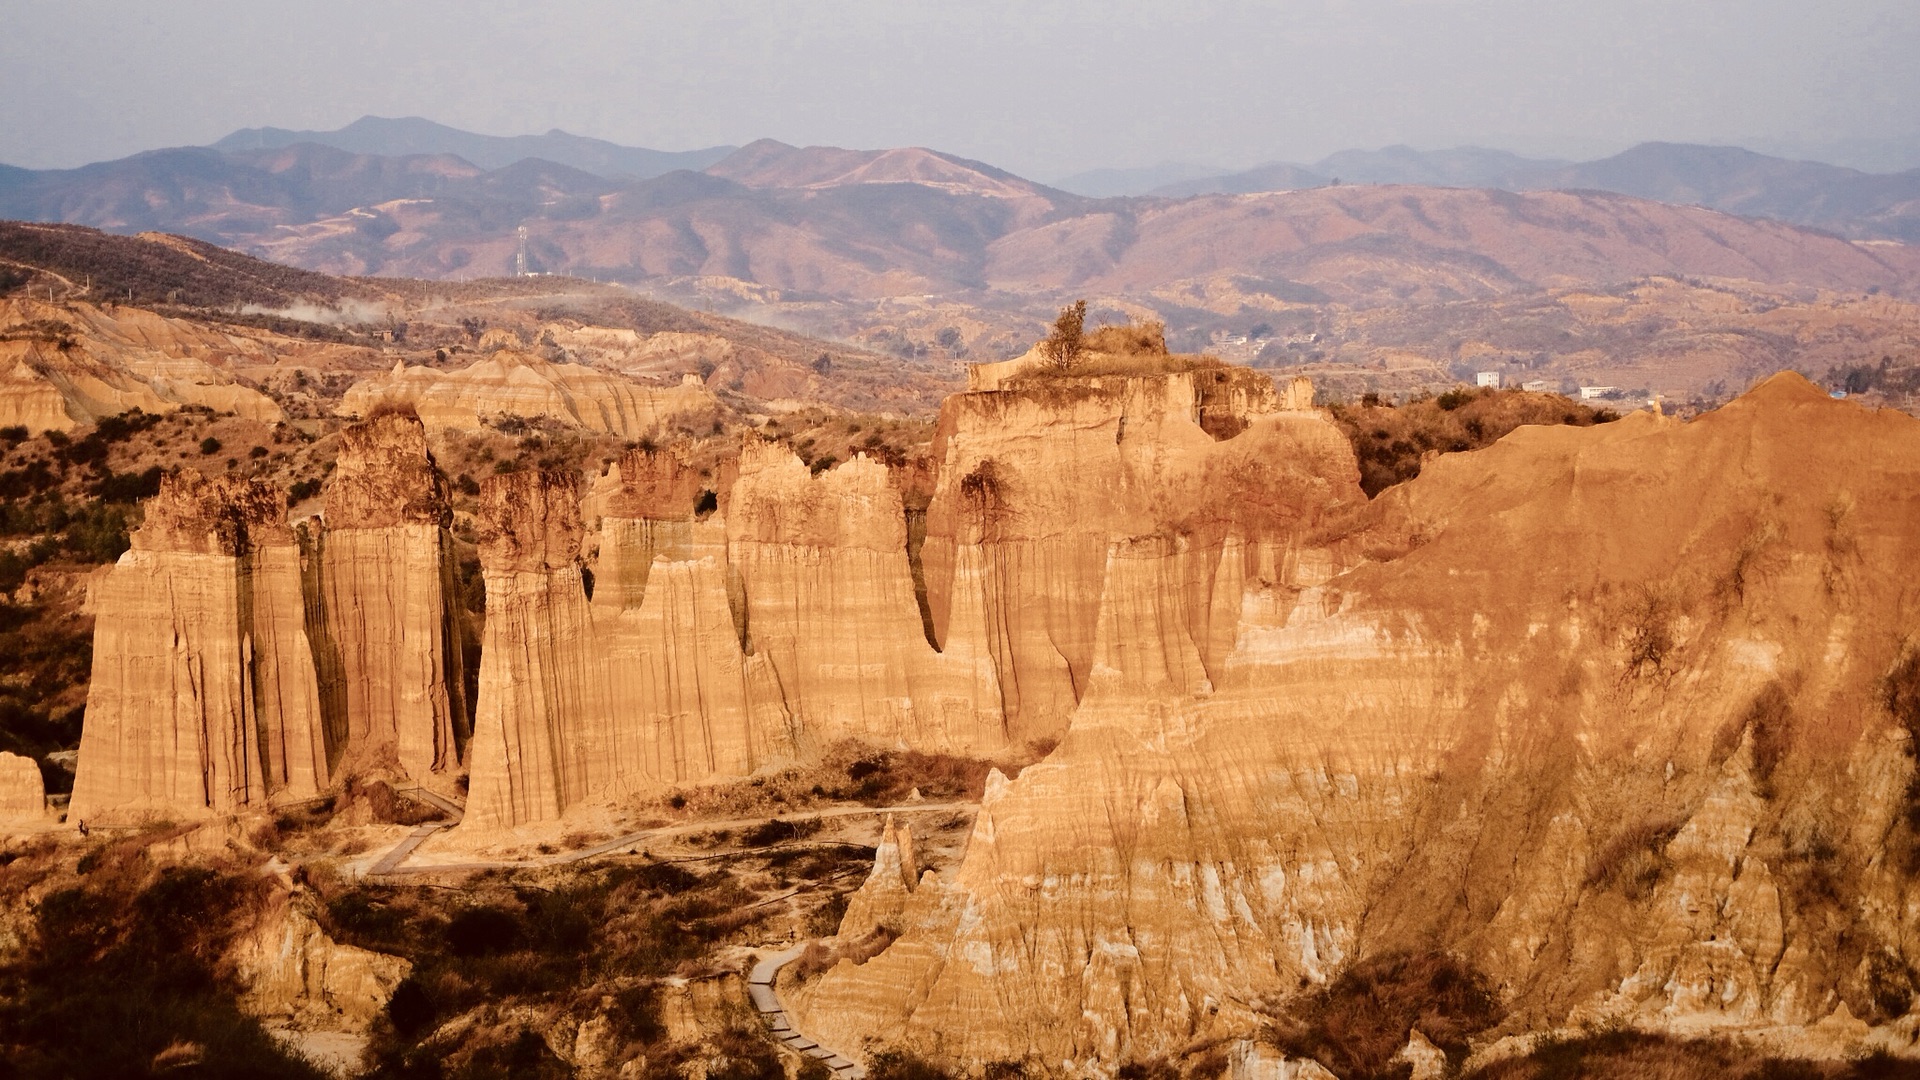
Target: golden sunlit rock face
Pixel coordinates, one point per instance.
(64, 365)
(385, 577)
(1623, 717)
(23, 796)
(1615, 714)
(205, 696)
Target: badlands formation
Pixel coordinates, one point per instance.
(63, 365)
(1622, 716)
(509, 382)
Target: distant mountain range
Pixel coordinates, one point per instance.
(1856, 204)
(410, 135)
(913, 242)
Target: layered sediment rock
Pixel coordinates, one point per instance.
(546, 735)
(203, 697)
(830, 602)
(781, 615)
(297, 978)
(386, 575)
(1583, 708)
(645, 685)
(1044, 491)
(509, 382)
(73, 363)
(647, 509)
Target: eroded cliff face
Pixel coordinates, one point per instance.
(830, 603)
(674, 621)
(881, 900)
(545, 735)
(728, 619)
(62, 365)
(1624, 716)
(23, 795)
(644, 685)
(1044, 493)
(385, 576)
(204, 698)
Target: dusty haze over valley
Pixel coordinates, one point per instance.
(902, 542)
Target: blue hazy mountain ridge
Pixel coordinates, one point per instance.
(410, 135)
(1461, 166)
(1857, 204)
(1737, 181)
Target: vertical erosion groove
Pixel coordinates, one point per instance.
(917, 539)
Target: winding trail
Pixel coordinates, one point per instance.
(767, 1000)
(766, 970)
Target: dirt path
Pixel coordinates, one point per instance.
(392, 864)
(766, 971)
(760, 986)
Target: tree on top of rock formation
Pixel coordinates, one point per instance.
(1064, 346)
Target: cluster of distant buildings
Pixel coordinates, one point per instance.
(1494, 380)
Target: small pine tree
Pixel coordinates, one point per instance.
(1063, 347)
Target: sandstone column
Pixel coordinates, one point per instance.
(545, 733)
(676, 629)
(386, 576)
(197, 626)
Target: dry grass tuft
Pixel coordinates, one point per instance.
(1623, 1052)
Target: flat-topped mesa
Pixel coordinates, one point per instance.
(545, 734)
(203, 697)
(1041, 479)
(830, 602)
(386, 576)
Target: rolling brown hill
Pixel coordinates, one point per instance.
(935, 258)
(865, 224)
(1381, 244)
(837, 234)
(172, 298)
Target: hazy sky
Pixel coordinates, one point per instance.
(1043, 88)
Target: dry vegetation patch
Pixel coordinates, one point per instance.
(1356, 1024)
(1392, 441)
(122, 973)
(1606, 1055)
